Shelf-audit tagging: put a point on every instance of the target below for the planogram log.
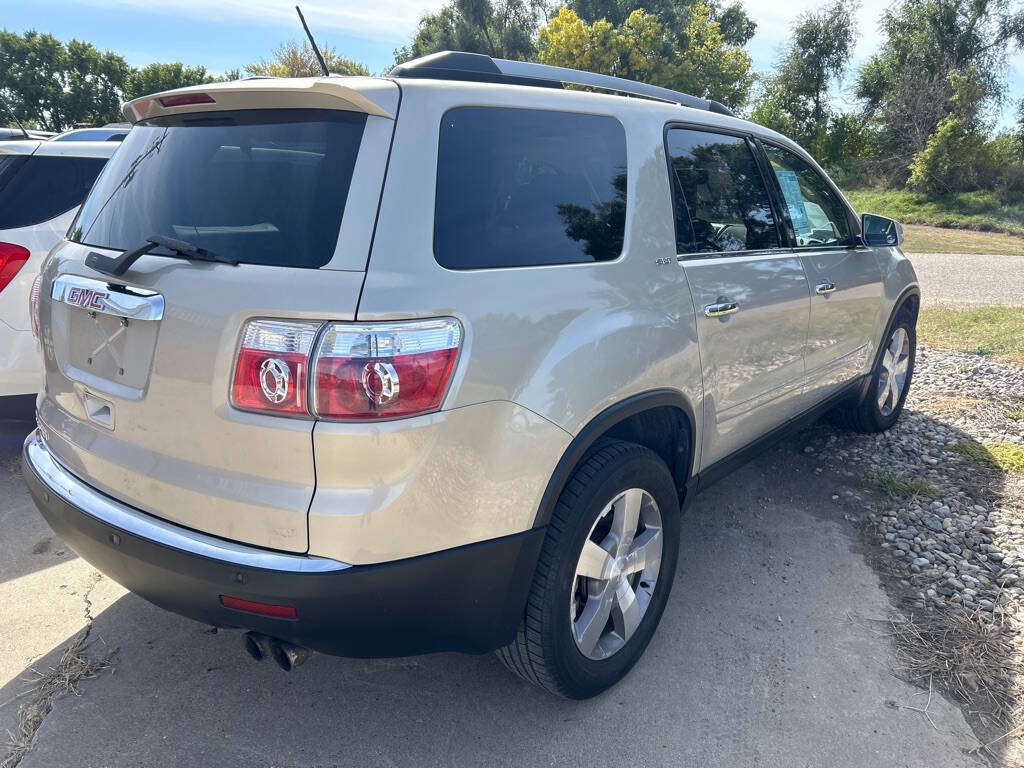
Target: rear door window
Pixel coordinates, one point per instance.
(258, 186)
(721, 202)
(36, 189)
(523, 187)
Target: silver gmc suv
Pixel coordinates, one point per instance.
(433, 361)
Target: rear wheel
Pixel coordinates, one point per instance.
(890, 382)
(604, 574)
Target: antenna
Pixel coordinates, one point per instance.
(14, 117)
(312, 43)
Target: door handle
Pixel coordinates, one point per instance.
(721, 308)
(823, 289)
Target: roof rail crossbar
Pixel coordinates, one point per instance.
(457, 65)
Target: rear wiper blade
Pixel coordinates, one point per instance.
(118, 265)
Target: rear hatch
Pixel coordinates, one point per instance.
(282, 177)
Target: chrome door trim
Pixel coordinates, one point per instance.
(759, 401)
(107, 298)
(861, 356)
(108, 511)
(685, 259)
(823, 289)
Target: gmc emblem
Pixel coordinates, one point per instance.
(85, 297)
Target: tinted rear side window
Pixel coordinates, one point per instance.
(522, 187)
(37, 189)
(258, 186)
(721, 202)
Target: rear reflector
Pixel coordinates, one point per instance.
(183, 99)
(12, 258)
(263, 609)
(272, 365)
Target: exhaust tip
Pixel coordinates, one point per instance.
(289, 656)
(258, 646)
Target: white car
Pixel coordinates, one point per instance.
(111, 132)
(42, 185)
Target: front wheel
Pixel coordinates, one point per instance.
(604, 574)
(890, 382)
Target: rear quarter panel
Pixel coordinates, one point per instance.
(563, 341)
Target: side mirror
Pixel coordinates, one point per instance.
(878, 230)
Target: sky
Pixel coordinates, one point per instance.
(223, 34)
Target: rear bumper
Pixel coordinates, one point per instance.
(467, 599)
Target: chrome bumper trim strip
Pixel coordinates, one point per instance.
(93, 503)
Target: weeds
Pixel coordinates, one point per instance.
(972, 658)
(897, 486)
(73, 667)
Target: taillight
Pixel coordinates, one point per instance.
(33, 306)
(12, 258)
(384, 370)
(272, 364)
(356, 372)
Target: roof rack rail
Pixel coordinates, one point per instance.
(458, 65)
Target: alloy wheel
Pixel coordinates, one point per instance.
(616, 574)
(892, 378)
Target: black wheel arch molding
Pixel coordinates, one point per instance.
(604, 424)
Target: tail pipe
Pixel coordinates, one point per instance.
(257, 645)
(287, 656)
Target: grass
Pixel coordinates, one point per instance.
(1007, 457)
(73, 667)
(970, 657)
(982, 211)
(994, 330)
(923, 239)
(896, 486)
(1017, 415)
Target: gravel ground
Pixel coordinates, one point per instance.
(953, 530)
(962, 279)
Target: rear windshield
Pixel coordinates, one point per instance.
(36, 189)
(257, 186)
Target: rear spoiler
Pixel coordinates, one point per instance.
(370, 95)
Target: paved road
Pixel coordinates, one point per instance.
(767, 655)
(969, 279)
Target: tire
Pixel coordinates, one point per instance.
(546, 650)
(873, 413)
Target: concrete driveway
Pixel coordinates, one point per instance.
(771, 653)
(969, 279)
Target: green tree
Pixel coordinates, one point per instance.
(795, 99)
(293, 60)
(157, 77)
(955, 158)
(55, 86)
(906, 88)
(695, 59)
(501, 28)
(735, 26)
(1018, 133)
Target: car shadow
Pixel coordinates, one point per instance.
(935, 454)
(755, 662)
